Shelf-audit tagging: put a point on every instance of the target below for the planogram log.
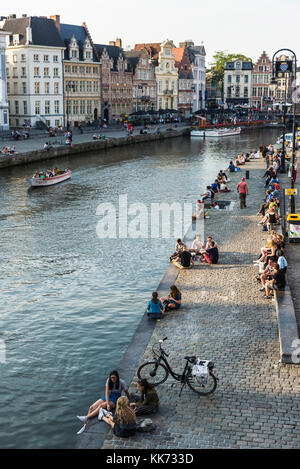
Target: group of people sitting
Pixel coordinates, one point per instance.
(99, 137)
(8, 150)
(126, 407)
(184, 258)
(219, 185)
(49, 173)
(271, 261)
(16, 135)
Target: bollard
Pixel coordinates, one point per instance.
(247, 173)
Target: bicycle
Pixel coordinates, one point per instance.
(157, 373)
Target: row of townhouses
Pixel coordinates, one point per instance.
(53, 73)
(250, 84)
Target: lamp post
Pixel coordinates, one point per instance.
(69, 86)
(285, 68)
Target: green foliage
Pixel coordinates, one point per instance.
(219, 60)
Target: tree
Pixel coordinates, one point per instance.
(219, 60)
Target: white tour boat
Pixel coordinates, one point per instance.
(50, 181)
(221, 132)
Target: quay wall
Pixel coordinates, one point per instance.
(95, 145)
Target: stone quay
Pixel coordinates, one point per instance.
(226, 319)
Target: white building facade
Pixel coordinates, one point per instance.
(34, 66)
(238, 83)
(166, 77)
(4, 116)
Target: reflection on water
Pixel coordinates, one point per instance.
(70, 301)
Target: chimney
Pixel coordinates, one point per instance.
(56, 19)
(119, 42)
(28, 35)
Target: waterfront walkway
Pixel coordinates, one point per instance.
(36, 142)
(225, 318)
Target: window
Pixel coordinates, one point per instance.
(15, 87)
(75, 107)
(238, 78)
(25, 110)
(266, 79)
(55, 58)
(15, 72)
(56, 87)
(237, 91)
(82, 107)
(8, 88)
(23, 58)
(24, 87)
(67, 69)
(74, 69)
(14, 58)
(254, 91)
(95, 70)
(47, 88)
(246, 92)
(23, 72)
(74, 54)
(37, 105)
(229, 91)
(36, 71)
(88, 55)
(88, 69)
(81, 86)
(46, 71)
(56, 107)
(36, 57)
(81, 69)
(47, 107)
(89, 107)
(46, 58)
(16, 107)
(238, 66)
(48, 123)
(246, 78)
(88, 86)
(55, 72)
(95, 86)
(229, 78)
(36, 87)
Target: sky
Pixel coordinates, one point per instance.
(240, 26)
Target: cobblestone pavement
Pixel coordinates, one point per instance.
(293, 253)
(225, 318)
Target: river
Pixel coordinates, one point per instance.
(70, 301)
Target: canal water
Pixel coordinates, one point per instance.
(70, 302)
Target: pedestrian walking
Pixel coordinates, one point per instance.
(242, 189)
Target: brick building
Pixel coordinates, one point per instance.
(261, 77)
(185, 80)
(116, 81)
(144, 82)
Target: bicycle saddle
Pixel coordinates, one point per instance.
(191, 359)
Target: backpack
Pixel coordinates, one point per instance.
(145, 425)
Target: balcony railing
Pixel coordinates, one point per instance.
(168, 91)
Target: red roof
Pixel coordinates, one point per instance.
(153, 48)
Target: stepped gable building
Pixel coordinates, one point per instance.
(185, 81)
(143, 80)
(34, 58)
(238, 83)
(162, 57)
(262, 96)
(197, 58)
(4, 117)
(81, 74)
(116, 81)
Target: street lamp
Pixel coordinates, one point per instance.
(69, 86)
(292, 69)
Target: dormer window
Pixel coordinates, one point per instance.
(73, 49)
(87, 50)
(15, 39)
(238, 65)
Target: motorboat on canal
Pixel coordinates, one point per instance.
(41, 179)
(215, 132)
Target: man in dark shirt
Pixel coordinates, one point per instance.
(185, 258)
(212, 254)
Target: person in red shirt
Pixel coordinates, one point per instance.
(242, 189)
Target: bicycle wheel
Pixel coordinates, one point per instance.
(202, 388)
(155, 373)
